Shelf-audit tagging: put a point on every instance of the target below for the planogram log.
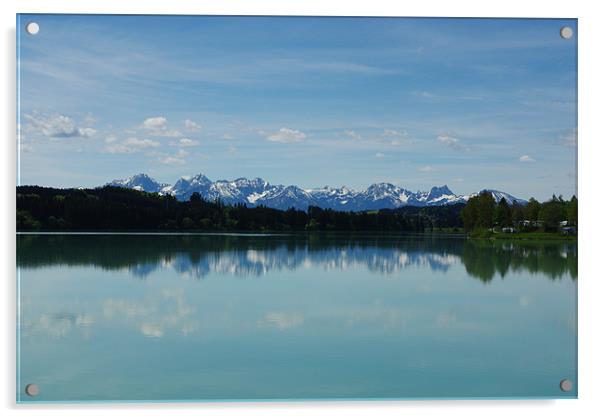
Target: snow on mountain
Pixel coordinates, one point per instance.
(257, 191)
(141, 182)
(186, 186)
(497, 196)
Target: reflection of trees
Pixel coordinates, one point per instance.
(483, 259)
(253, 255)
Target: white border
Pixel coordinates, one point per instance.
(590, 35)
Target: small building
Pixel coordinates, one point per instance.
(527, 223)
(509, 230)
(568, 230)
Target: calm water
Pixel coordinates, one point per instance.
(200, 317)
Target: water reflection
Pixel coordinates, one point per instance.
(197, 256)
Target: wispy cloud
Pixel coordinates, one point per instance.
(342, 67)
(395, 137)
(141, 143)
(131, 145)
(171, 160)
(175, 159)
(119, 149)
(287, 136)
(423, 94)
(379, 155)
(566, 138)
(185, 142)
(353, 135)
(425, 168)
(452, 142)
(448, 97)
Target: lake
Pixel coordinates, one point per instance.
(230, 316)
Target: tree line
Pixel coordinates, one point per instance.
(119, 209)
(482, 212)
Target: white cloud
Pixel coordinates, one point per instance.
(89, 120)
(227, 136)
(131, 145)
(182, 153)
(119, 149)
(185, 142)
(394, 137)
(158, 122)
(353, 135)
(157, 126)
(287, 136)
(379, 155)
(567, 138)
(447, 140)
(176, 159)
(425, 169)
(526, 159)
(57, 126)
(393, 132)
(192, 126)
(110, 138)
(141, 143)
(171, 160)
(87, 132)
(452, 142)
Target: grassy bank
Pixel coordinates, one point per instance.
(542, 236)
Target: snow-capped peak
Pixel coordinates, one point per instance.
(257, 191)
(141, 182)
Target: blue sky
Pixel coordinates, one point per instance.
(471, 103)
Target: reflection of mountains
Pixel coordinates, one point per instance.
(246, 255)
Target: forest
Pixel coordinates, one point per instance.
(483, 213)
(119, 209)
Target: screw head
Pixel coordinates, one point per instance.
(32, 28)
(566, 385)
(566, 32)
(32, 389)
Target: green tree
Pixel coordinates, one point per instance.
(518, 212)
(187, 223)
(532, 210)
(26, 222)
(571, 211)
(486, 210)
(470, 213)
(503, 213)
(551, 213)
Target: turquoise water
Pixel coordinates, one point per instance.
(210, 317)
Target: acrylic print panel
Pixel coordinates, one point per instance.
(268, 208)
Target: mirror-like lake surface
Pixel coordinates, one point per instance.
(207, 317)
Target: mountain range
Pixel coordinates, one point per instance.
(256, 192)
